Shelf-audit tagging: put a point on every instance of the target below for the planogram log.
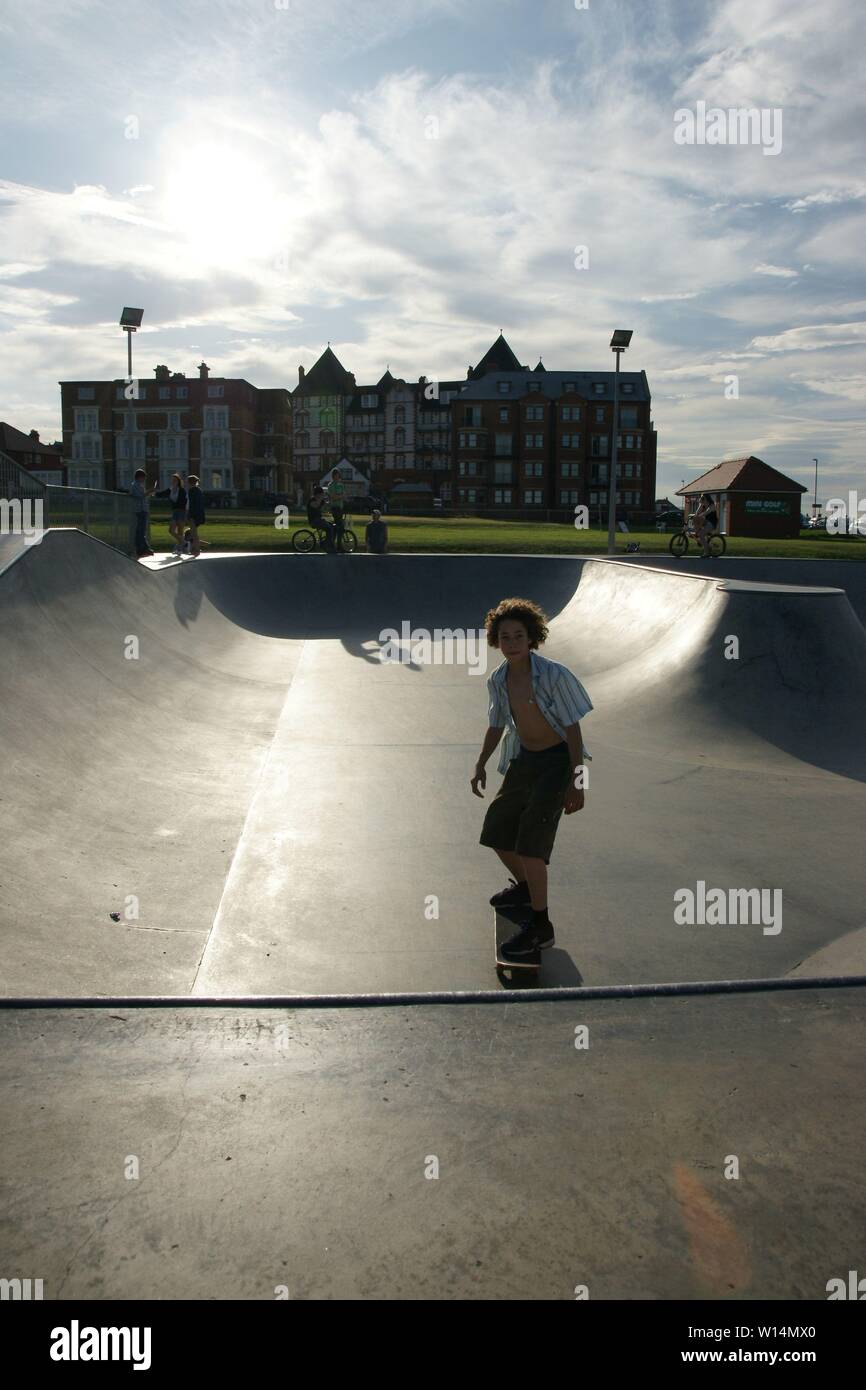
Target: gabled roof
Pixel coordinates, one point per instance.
(498, 358)
(327, 378)
(17, 442)
(385, 381)
(741, 475)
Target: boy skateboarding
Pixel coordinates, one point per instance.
(537, 705)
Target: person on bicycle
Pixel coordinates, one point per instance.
(337, 500)
(316, 518)
(706, 521)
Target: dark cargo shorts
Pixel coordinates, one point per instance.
(524, 814)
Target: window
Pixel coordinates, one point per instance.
(533, 470)
(369, 401)
(534, 441)
(571, 470)
(504, 445)
(400, 415)
(399, 436)
(571, 441)
(569, 498)
(534, 412)
(326, 439)
(627, 388)
(571, 412)
(174, 419)
(570, 386)
(532, 497)
(503, 387)
(269, 427)
(467, 441)
(472, 415)
(86, 421)
(86, 393)
(182, 393)
(214, 392)
(504, 416)
(628, 416)
(303, 441)
(599, 414)
(502, 496)
(598, 387)
(165, 393)
(467, 466)
(599, 446)
(533, 385)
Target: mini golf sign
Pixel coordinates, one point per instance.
(767, 506)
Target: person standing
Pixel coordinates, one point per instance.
(178, 499)
(140, 492)
(195, 514)
(376, 535)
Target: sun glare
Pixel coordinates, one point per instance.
(221, 204)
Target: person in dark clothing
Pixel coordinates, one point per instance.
(706, 521)
(140, 492)
(316, 518)
(177, 495)
(195, 514)
(377, 534)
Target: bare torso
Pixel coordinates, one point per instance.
(533, 729)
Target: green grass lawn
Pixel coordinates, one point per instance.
(244, 530)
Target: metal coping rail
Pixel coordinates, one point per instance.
(529, 995)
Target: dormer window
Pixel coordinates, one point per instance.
(570, 386)
(533, 386)
(369, 401)
(504, 387)
(627, 388)
(598, 388)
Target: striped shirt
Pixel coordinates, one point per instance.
(557, 692)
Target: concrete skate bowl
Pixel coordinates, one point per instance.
(262, 801)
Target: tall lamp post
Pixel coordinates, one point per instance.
(130, 322)
(815, 500)
(619, 342)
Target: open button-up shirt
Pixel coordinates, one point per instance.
(557, 692)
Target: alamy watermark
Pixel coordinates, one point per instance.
(23, 517)
(741, 125)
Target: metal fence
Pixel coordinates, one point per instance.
(106, 515)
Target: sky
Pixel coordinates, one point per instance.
(404, 178)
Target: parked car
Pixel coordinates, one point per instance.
(669, 521)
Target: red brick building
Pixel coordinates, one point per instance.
(230, 433)
(45, 461)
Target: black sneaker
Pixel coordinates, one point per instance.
(515, 896)
(528, 940)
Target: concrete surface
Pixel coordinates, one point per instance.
(291, 1149)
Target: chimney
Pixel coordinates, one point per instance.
(34, 434)
(300, 376)
(203, 370)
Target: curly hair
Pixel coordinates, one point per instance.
(520, 610)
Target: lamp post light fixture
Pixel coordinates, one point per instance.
(618, 344)
(130, 322)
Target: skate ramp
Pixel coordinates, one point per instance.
(285, 813)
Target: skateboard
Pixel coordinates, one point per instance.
(506, 921)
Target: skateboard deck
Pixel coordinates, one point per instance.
(506, 921)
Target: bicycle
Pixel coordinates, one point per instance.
(679, 542)
(311, 538)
